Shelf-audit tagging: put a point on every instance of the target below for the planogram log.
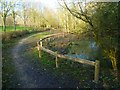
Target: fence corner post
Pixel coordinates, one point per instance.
(97, 70)
(56, 60)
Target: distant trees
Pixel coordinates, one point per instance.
(24, 13)
(50, 17)
(62, 17)
(9, 21)
(14, 13)
(35, 18)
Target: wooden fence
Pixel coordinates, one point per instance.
(40, 47)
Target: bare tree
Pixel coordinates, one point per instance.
(5, 8)
(14, 4)
(23, 14)
(14, 12)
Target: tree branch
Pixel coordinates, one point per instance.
(79, 15)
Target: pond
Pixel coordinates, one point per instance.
(85, 49)
(76, 47)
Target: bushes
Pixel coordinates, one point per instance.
(13, 34)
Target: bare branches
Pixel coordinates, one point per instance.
(80, 7)
(80, 14)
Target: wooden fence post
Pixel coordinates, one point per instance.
(56, 60)
(97, 70)
(40, 45)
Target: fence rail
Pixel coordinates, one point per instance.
(96, 64)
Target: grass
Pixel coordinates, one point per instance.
(11, 28)
(65, 67)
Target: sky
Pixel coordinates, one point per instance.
(52, 4)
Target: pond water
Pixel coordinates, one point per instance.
(77, 48)
(85, 49)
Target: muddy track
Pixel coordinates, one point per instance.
(30, 76)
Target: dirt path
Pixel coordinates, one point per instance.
(30, 76)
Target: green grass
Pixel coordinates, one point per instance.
(11, 28)
(75, 70)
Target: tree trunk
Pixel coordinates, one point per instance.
(24, 24)
(14, 25)
(14, 21)
(4, 24)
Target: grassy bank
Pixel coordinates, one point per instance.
(15, 34)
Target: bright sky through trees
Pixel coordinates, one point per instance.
(49, 3)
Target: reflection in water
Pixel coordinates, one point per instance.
(93, 45)
(85, 50)
(82, 56)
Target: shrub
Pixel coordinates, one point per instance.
(13, 34)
